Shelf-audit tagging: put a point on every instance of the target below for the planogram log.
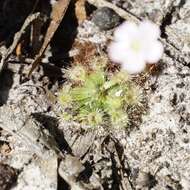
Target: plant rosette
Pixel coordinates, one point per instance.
(95, 97)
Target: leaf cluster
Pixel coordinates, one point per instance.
(93, 96)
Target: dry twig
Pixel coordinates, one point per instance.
(16, 40)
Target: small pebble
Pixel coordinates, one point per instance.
(105, 18)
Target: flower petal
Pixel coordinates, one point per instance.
(126, 31)
(133, 63)
(149, 30)
(154, 52)
(117, 52)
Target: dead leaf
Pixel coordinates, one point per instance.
(58, 12)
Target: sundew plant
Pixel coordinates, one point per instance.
(94, 96)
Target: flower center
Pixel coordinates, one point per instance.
(136, 45)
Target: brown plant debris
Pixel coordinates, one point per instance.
(58, 12)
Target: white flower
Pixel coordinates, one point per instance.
(52, 2)
(135, 45)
